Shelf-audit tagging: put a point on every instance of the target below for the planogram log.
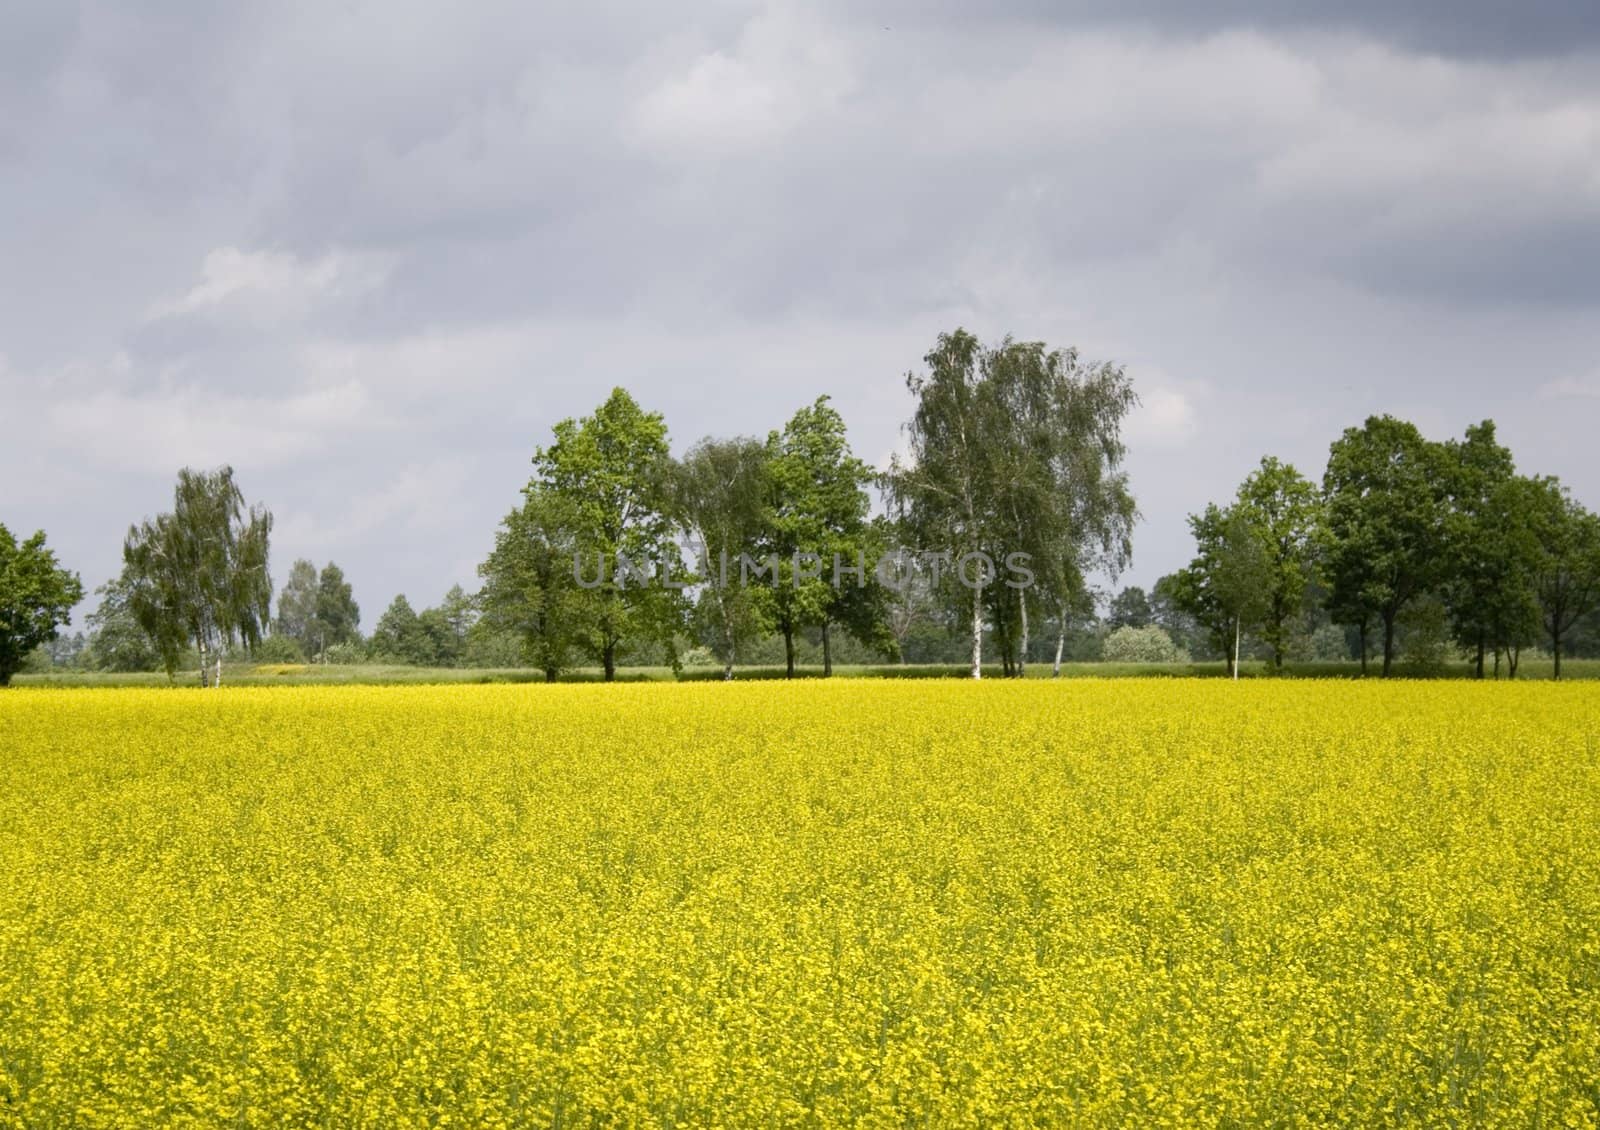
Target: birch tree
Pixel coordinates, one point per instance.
(719, 489)
(199, 575)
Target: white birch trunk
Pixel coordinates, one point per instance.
(1236, 649)
(977, 632)
(1022, 656)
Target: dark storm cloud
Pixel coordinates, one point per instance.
(369, 252)
(1472, 28)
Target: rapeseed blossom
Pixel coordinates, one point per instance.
(1133, 902)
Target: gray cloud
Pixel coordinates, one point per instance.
(370, 254)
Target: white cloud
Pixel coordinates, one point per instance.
(158, 431)
(273, 285)
(783, 72)
(1168, 414)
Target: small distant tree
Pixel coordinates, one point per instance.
(1130, 608)
(199, 574)
(116, 641)
(1226, 586)
(719, 491)
(529, 588)
(36, 598)
(338, 615)
(458, 614)
(1283, 511)
(401, 636)
(297, 607)
(1567, 566)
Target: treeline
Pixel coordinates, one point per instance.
(1010, 495)
(1442, 546)
(743, 550)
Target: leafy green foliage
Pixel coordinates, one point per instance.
(1016, 448)
(200, 573)
(1567, 561)
(401, 637)
(1284, 512)
(1227, 586)
(36, 598)
(1146, 644)
(1385, 489)
(815, 517)
(720, 491)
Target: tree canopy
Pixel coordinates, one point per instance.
(36, 598)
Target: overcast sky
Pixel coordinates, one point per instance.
(368, 252)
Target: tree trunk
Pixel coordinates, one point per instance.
(5, 678)
(1513, 658)
(1388, 643)
(1363, 649)
(218, 680)
(1061, 647)
(1555, 642)
(977, 632)
(549, 674)
(1236, 649)
(608, 658)
(827, 652)
(1497, 664)
(203, 676)
(727, 636)
(1022, 656)
(788, 651)
(1480, 655)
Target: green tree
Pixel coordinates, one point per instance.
(943, 490)
(1384, 493)
(297, 607)
(1059, 495)
(1016, 449)
(1489, 549)
(402, 637)
(529, 587)
(719, 495)
(1567, 563)
(338, 615)
(1283, 511)
(116, 641)
(36, 598)
(1226, 587)
(611, 472)
(816, 530)
(200, 574)
(449, 625)
(1130, 608)
(1167, 612)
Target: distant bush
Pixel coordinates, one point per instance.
(1141, 645)
(279, 649)
(345, 653)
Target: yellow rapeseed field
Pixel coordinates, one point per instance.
(1141, 902)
